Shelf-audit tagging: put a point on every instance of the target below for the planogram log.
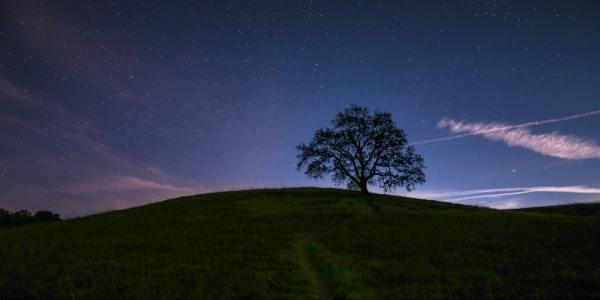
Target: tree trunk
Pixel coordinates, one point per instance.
(363, 188)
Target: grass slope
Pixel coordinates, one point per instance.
(578, 209)
(303, 244)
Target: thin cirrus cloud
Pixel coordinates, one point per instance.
(550, 144)
(108, 192)
(458, 196)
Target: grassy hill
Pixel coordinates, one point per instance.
(304, 244)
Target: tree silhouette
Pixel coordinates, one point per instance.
(363, 149)
(46, 216)
(24, 217)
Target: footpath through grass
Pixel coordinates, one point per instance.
(305, 244)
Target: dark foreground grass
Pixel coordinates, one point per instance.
(304, 244)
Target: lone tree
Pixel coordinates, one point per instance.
(363, 149)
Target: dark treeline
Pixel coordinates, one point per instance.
(23, 217)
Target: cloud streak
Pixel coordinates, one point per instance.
(459, 196)
(122, 183)
(108, 192)
(84, 175)
(551, 144)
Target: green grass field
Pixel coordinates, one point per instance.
(306, 244)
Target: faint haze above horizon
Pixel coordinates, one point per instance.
(107, 105)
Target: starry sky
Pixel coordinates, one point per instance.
(111, 104)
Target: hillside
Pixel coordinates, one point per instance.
(579, 210)
(303, 244)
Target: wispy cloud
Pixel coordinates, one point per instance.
(122, 183)
(552, 144)
(508, 127)
(459, 196)
(9, 91)
(108, 192)
(511, 203)
(86, 175)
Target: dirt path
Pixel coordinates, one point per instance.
(317, 289)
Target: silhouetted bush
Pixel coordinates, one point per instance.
(46, 216)
(23, 217)
(4, 216)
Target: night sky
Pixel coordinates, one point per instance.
(106, 105)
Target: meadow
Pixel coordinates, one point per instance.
(306, 244)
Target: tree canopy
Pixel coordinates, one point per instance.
(362, 149)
